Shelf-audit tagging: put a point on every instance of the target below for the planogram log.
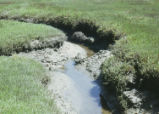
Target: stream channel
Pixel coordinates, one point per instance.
(74, 91)
(86, 97)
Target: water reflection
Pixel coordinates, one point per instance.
(86, 98)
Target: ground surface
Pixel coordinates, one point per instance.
(136, 20)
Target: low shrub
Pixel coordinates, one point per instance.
(126, 70)
(116, 73)
(116, 76)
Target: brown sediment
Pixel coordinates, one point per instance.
(105, 108)
(88, 50)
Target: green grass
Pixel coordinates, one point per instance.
(21, 88)
(115, 77)
(138, 19)
(20, 79)
(15, 34)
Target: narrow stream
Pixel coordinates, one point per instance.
(74, 92)
(87, 99)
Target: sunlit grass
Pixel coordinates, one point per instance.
(138, 19)
(20, 78)
(21, 88)
(14, 34)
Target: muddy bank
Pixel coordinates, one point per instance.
(69, 25)
(53, 60)
(54, 57)
(53, 42)
(92, 64)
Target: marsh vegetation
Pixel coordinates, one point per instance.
(130, 25)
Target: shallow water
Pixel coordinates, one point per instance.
(87, 98)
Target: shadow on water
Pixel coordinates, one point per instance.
(109, 102)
